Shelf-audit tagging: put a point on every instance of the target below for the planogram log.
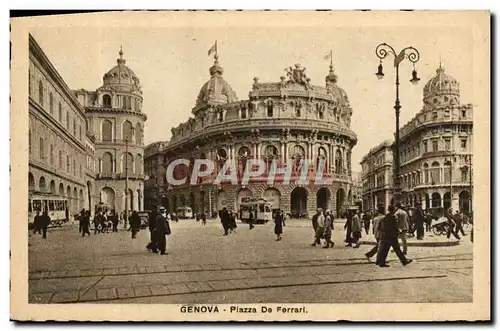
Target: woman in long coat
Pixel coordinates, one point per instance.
(278, 225)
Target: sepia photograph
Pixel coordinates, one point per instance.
(223, 166)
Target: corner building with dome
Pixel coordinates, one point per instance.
(437, 148)
(116, 121)
(289, 120)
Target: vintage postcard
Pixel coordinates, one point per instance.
(251, 166)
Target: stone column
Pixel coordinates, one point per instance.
(282, 147)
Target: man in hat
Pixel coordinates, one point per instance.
(320, 229)
(153, 245)
(315, 224)
(379, 215)
(389, 238)
(403, 225)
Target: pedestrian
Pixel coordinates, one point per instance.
(347, 227)
(252, 215)
(402, 221)
(225, 220)
(389, 238)
(197, 217)
(114, 220)
(320, 229)
(135, 223)
(81, 220)
(428, 221)
(44, 223)
(419, 220)
(459, 221)
(278, 225)
(152, 245)
(37, 223)
(162, 230)
(379, 216)
(328, 230)
(203, 219)
(85, 222)
(366, 221)
(97, 222)
(233, 221)
(356, 228)
(452, 228)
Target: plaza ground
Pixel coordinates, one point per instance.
(203, 266)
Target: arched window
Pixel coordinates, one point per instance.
(446, 171)
(244, 152)
(138, 164)
(106, 100)
(434, 173)
(107, 163)
(40, 92)
(138, 134)
(322, 156)
(51, 103)
(271, 150)
(107, 130)
(127, 163)
(338, 162)
(127, 131)
(426, 173)
(270, 109)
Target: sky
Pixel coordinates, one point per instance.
(172, 65)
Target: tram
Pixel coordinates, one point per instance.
(259, 206)
(57, 208)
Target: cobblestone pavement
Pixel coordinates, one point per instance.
(203, 266)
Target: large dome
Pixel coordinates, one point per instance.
(121, 78)
(441, 84)
(216, 90)
(332, 88)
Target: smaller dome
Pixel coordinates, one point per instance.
(121, 78)
(442, 82)
(216, 90)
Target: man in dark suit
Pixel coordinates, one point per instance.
(389, 238)
(152, 227)
(225, 220)
(162, 229)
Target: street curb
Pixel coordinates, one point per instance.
(421, 244)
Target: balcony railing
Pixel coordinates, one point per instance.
(112, 175)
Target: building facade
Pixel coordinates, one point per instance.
(436, 148)
(115, 119)
(289, 121)
(76, 138)
(58, 136)
(377, 176)
(357, 189)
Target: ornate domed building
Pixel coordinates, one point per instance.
(115, 118)
(436, 148)
(289, 121)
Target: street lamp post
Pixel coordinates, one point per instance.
(413, 56)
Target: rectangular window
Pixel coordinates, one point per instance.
(463, 144)
(447, 144)
(446, 113)
(51, 103)
(74, 167)
(434, 115)
(67, 163)
(243, 114)
(42, 151)
(270, 110)
(51, 154)
(464, 113)
(74, 127)
(435, 146)
(464, 175)
(60, 112)
(67, 120)
(60, 159)
(424, 144)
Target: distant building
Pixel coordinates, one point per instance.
(377, 176)
(357, 188)
(436, 148)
